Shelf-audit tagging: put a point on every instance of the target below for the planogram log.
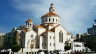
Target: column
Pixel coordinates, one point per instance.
(40, 42)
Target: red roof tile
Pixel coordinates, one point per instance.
(29, 20)
(49, 14)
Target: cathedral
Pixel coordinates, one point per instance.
(49, 35)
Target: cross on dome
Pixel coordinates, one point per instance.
(51, 9)
(51, 4)
(51, 12)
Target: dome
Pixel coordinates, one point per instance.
(29, 20)
(49, 14)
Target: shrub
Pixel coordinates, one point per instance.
(16, 48)
(67, 47)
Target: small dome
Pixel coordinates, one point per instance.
(29, 20)
(50, 14)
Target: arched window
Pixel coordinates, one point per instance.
(60, 36)
(49, 19)
(30, 24)
(46, 20)
(56, 20)
(53, 19)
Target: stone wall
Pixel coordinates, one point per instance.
(19, 53)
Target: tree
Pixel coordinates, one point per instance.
(15, 48)
(67, 47)
(91, 42)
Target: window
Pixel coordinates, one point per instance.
(45, 20)
(42, 44)
(49, 19)
(35, 53)
(77, 45)
(53, 37)
(50, 44)
(60, 36)
(28, 23)
(56, 20)
(31, 36)
(50, 37)
(53, 19)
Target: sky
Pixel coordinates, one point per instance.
(76, 15)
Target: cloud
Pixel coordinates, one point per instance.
(75, 14)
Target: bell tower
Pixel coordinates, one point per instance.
(29, 24)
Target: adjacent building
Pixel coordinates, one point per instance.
(2, 35)
(93, 29)
(78, 46)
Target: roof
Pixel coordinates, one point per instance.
(39, 26)
(48, 31)
(51, 30)
(25, 30)
(50, 25)
(29, 20)
(49, 14)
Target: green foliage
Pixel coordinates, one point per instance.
(10, 39)
(90, 41)
(91, 44)
(67, 47)
(14, 36)
(16, 48)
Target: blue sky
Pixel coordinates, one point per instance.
(76, 15)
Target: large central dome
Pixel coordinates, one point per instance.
(51, 17)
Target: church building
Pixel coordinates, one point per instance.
(49, 35)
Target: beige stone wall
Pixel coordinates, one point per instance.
(1, 39)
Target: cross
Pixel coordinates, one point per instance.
(51, 4)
